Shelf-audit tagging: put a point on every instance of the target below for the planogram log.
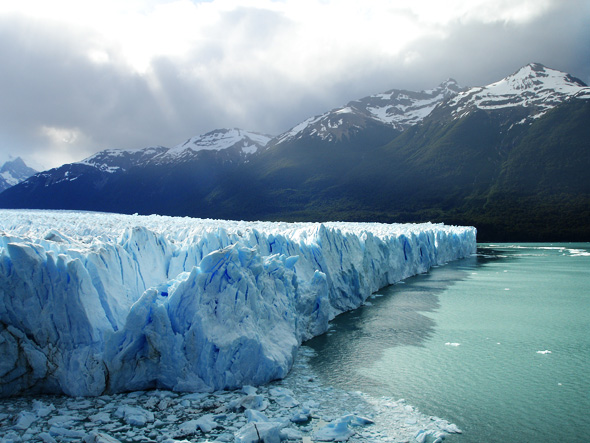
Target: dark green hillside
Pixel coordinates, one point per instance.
(299, 179)
(316, 162)
(529, 183)
(66, 187)
(544, 186)
(554, 156)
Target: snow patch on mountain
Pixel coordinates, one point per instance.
(402, 109)
(297, 130)
(94, 303)
(120, 160)
(533, 87)
(246, 142)
(238, 141)
(397, 108)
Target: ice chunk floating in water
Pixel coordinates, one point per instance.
(99, 303)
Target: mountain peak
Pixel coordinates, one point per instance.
(397, 108)
(116, 160)
(531, 92)
(13, 163)
(535, 76)
(450, 84)
(245, 142)
(14, 171)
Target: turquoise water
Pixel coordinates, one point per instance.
(498, 344)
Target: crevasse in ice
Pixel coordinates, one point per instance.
(95, 303)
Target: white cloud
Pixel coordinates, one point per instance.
(316, 30)
(60, 136)
(60, 140)
(472, 11)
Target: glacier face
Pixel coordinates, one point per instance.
(95, 303)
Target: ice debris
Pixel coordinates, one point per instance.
(169, 417)
(94, 304)
(341, 429)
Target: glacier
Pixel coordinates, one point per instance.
(94, 303)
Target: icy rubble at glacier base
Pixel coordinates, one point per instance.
(94, 303)
(297, 408)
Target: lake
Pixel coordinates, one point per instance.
(498, 344)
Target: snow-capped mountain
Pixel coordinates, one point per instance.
(533, 90)
(200, 162)
(120, 160)
(403, 109)
(232, 143)
(397, 108)
(13, 172)
(236, 140)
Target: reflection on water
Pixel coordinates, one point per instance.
(395, 316)
(497, 343)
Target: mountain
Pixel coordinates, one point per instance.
(236, 142)
(314, 156)
(510, 158)
(398, 109)
(153, 180)
(13, 172)
(522, 97)
(229, 144)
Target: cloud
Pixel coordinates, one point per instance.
(81, 76)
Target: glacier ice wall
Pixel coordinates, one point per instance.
(95, 303)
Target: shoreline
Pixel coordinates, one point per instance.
(299, 407)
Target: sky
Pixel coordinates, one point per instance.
(79, 76)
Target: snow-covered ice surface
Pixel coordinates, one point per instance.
(94, 304)
(298, 408)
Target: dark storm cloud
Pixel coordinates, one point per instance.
(479, 54)
(245, 71)
(48, 81)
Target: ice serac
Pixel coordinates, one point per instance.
(98, 303)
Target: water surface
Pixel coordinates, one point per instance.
(498, 343)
